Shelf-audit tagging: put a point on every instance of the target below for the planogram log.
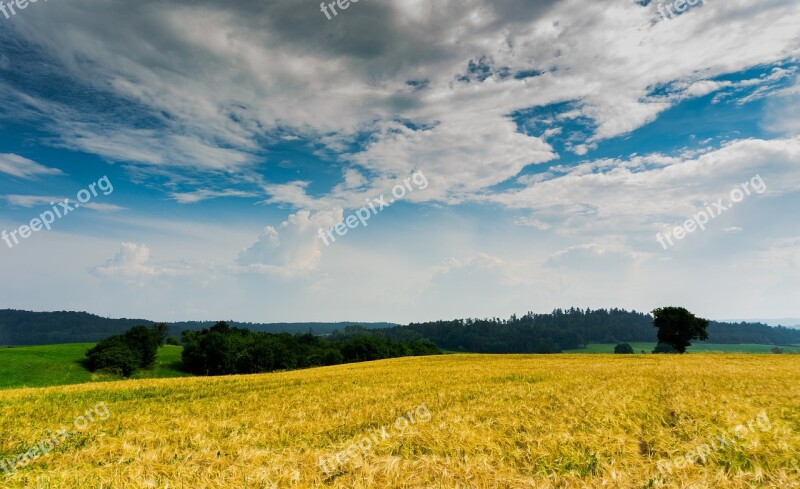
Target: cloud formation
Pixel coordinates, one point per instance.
(20, 167)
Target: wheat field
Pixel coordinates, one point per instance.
(471, 421)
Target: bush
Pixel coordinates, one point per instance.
(623, 348)
(173, 341)
(136, 348)
(664, 348)
(113, 354)
(777, 350)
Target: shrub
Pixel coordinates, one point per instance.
(113, 354)
(623, 348)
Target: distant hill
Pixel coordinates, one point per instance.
(19, 328)
(788, 322)
(570, 329)
(560, 330)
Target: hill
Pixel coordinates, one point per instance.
(450, 421)
(788, 322)
(560, 330)
(45, 328)
(571, 329)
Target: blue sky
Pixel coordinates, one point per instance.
(557, 139)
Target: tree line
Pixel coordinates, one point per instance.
(226, 350)
(223, 350)
(22, 328)
(531, 333)
(570, 329)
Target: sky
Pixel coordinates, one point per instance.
(528, 155)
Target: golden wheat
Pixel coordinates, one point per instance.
(509, 421)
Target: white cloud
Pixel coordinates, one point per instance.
(293, 249)
(98, 207)
(28, 201)
(228, 82)
(458, 157)
(645, 193)
(131, 261)
(533, 222)
(586, 256)
(204, 194)
(18, 166)
(783, 115)
(398, 86)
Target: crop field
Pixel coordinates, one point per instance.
(468, 421)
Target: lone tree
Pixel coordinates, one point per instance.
(677, 327)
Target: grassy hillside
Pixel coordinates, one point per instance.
(507, 421)
(696, 348)
(40, 366)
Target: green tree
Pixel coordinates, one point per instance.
(145, 342)
(113, 355)
(135, 348)
(677, 327)
(623, 348)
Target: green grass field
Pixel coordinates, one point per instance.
(710, 347)
(42, 366)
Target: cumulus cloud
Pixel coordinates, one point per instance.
(293, 248)
(131, 261)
